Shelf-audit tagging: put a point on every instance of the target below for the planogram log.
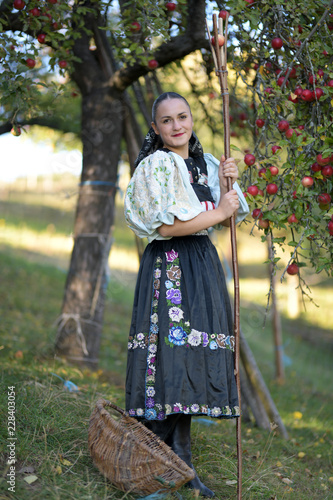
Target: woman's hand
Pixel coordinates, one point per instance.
(227, 168)
(228, 205)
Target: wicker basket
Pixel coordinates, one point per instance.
(131, 456)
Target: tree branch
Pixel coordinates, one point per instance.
(178, 47)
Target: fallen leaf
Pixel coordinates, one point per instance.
(230, 482)
(30, 479)
(286, 480)
(301, 454)
(298, 415)
(64, 461)
(278, 463)
(330, 479)
(58, 469)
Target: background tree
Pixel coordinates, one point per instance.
(104, 50)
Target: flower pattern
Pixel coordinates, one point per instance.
(180, 335)
(177, 336)
(175, 313)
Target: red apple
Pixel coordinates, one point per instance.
(135, 27)
(261, 172)
(220, 39)
(275, 149)
(292, 99)
(307, 181)
(274, 170)
(324, 199)
(315, 167)
(257, 213)
(322, 161)
(170, 6)
(243, 116)
(298, 91)
(53, 1)
(253, 190)
(16, 130)
(319, 92)
(281, 80)
(223, 14)
(249, 159)
(292, 219)
(320, 73)
(55, 26)
(330, 227)
(268, 90)
(271, 188)
(330, 83)
(293, 73)
(307, 95)
(41, 37)
(300, 29)
(289, 133)
(327, 171)
(152, 64)
(62, 64)
(35, 12)
(312, 80)
(277, 43)
(260, 192)
(292, 269)
(19, 4)
(283, 125)
(294, 195)
(263, 223)
(260, 122)
(31, 63)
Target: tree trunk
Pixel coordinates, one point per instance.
(80, 323)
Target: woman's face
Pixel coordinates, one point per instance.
(174, 123)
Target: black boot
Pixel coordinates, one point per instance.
(162, 428)
(180, 442)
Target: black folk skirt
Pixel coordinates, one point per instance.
(181, 343)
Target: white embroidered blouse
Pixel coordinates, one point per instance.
(160, 190)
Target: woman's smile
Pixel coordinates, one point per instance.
(174, 125)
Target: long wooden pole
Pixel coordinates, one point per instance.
(220, 61)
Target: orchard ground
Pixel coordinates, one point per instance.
(52, 423)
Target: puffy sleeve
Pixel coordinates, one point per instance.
(156, 194)
(213, 182)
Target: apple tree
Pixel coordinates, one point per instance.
(282, 53)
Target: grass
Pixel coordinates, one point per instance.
(52, 423)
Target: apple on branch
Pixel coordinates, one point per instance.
(292, 219)
(307, 181)
(249, 159)
(253, 190)
(220, 39)
(292, 269)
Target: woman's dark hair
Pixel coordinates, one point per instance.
(164, 97)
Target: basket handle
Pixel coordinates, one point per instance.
(102, 403)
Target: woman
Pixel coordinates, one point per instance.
(180, 351)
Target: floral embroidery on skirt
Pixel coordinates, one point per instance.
(168, 370)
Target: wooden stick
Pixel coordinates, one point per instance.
(220, 61)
